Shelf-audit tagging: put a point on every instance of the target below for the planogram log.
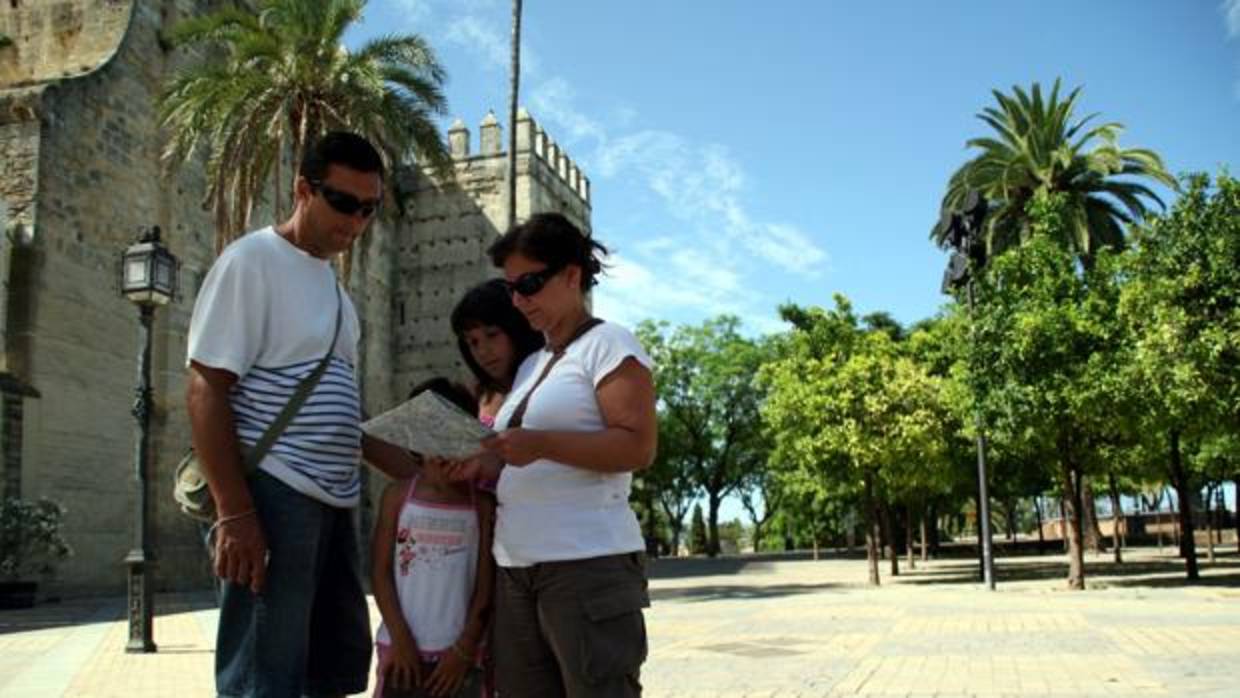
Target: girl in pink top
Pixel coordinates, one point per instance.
(432, 576)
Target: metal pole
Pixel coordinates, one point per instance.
(139, 559)
(983, 497)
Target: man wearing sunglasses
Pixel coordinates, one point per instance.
(293, 615)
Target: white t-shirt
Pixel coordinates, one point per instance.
(553, 511)
(266, 312)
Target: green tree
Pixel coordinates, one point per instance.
(1039, 146)
(271, 80)
(698, 542)
(1044, 360)
(708, 406)
(845, 405)
(1181, 304)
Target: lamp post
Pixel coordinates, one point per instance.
(964, 235)
(148, 278)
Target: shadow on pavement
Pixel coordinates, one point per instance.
(723, 592)
(90, 610)
(1167, 572)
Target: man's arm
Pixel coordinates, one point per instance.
(240, 546)
(394, 461)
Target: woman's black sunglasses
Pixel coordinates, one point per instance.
(344, 202)
(532, 282)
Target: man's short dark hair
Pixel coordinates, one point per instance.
(339, 148)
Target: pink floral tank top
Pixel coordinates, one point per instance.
(436, 563)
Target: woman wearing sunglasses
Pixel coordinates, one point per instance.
(580, 419)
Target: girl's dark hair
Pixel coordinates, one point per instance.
(451, 391)
(552, 239)
(489, 303)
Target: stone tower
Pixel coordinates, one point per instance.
(80, 175)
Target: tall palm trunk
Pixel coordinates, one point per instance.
(514, 83)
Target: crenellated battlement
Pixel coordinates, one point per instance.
(532, 140)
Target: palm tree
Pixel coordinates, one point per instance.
(280, 77)
(1039, 147)
(514, 82)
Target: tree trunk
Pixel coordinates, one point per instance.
(1063, 522)
(1093, 533)
(908, 537)
(1184, 492)
(1037, 510)
(712, 525)
(871, 532)
(1117, 519)
(892, 551)
(1236, 483)
(1210, 524)
(924, 534)
(1071, 476)
(934, 530)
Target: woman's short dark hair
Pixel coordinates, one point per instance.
(552, 239)
(489, 303)
(451, 391)
(339, 148)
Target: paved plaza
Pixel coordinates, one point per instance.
(781, 626)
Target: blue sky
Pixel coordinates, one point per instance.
(744, 154)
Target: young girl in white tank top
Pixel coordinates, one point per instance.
(432, 580)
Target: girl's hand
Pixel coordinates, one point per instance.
(515, 446)
(404, 668)
(449, 673)
(481, 465)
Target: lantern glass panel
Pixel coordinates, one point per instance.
(163, 274)
(136, 272)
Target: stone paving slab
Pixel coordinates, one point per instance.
(748, 628)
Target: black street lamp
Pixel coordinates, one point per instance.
(963, 230)
(148, 277)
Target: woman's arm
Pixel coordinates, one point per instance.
(626, 399)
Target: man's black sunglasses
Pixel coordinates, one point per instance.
(344, 202)
(532, 282)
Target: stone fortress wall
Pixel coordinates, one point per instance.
(80, 177)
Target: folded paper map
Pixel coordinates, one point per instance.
(430, 425)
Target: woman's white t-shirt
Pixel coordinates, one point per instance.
(552, 511)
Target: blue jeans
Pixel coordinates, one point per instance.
(308, 631)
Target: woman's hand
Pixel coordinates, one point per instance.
(516, 446)
(449, 673)
(404, 668)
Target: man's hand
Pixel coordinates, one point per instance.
(516, 446)
(241, 551)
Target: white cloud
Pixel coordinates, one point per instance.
(1231, 14)
(552, 100)
(700, 267)
(474, 33)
